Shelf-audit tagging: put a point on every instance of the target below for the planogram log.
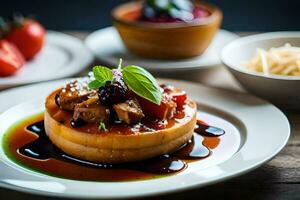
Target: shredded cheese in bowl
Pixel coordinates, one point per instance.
(284, 60)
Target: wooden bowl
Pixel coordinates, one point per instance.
(165, 40)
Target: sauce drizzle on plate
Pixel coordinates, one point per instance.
(28, 145)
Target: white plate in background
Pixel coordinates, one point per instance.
(107, 46)
(62, 56)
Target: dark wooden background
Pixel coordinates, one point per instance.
(239, 15)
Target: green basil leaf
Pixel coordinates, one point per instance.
(102, 74)
(142, 83)
(95, 84)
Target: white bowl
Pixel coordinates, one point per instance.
(281, 90)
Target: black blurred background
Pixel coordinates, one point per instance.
(239, 15)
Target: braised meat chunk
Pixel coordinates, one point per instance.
(91, 111)
(129, 111)
(71, 95)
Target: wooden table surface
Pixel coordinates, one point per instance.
(277, 179)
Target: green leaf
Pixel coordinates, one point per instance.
(142, 83)
(95, 84)
(102, 74)
(102, 126)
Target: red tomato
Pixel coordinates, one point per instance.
(11, 59)
(29, 38)
(163, 111)
(179, 97)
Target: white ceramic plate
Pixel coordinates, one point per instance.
(107, 46)
(248, 121)
(62, 56)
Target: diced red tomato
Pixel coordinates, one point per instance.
(180, 98)
(163, 111)
(11, 59)
(178, 95)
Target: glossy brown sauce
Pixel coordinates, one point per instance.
(28, 145)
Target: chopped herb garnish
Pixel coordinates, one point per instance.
(102, 127)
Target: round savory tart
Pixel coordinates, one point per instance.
(115, 117)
